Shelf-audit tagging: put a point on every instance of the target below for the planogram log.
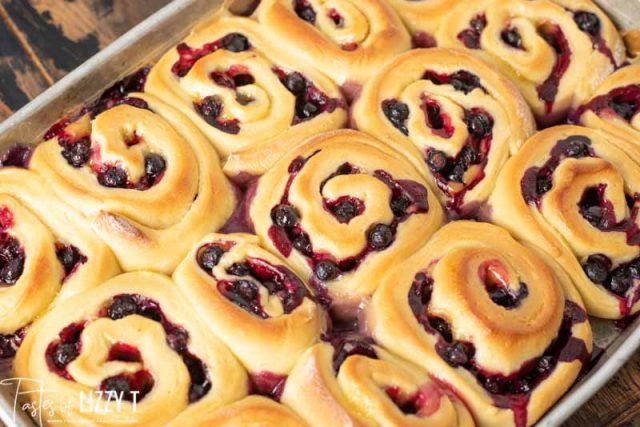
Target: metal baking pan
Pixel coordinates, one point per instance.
(144, 44)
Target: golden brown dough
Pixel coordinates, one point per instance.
(489, 318)
(252, 103)
(352, 382)
(343, 208)
(251, 411)
(614, 107)
(557, 52)
(422, 18)
(134, 333)
(232, 281)
(347, 40)
(574, 193)
(452, 115)
(151, 186)
(46, 254)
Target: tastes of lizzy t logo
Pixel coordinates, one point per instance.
(97, 402)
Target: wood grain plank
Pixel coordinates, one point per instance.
(66, 33)
(20, 79)
(617, 404)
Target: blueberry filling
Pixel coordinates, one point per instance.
(397, 112)
(12, 258)
(253, 273)
(70, 257)
(537, 181)
(493, 274)
(65, 349)
(304, 10)
(512, 37)
(450, 173)
(113, 177)
(599, 269)
(267, 384)
(349, 344)
(177, 339)
(548, 90)
(511, 391)
(311, 101)
(436, 119)
(188, 56)
(407, 198)
(9, 343)
(129, 387)
(345, 208)
(209, 256)
(622, 101)
(17, 155)
(470, 37)
(335, 16)
(210, 108)
(599, 212)
(461, 80)
(587, 22)
(408, 404)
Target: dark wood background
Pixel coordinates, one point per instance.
(42, 40)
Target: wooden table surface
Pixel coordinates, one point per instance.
(42, 40)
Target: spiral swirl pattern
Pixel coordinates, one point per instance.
(250, 411)
(341, 209)
(45, 253)
(141, 174)
(615, 107)
(504, 330)
(349, 381)
(573, 192)
(252, 103)
(232, 281)
(557, 52)
(131, 345)
(344, 39)
(454, 117)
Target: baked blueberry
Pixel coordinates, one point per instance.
(380, 236)
(326, 270)
(118, 385)
(399, 205)
(397, 112)
(302, 243)
(78, 153)
(587, 22)
(122, 306)
(512, 38)
(345, 211)
(154, 165)
(295, 83)
(113, 177)
(64, 354)
(620, 281)
(625, 109)
(210, 257)
(235, 42)
(436, 160)
(12, 270)
(479, 124)
(284, 216)
(239, 269)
